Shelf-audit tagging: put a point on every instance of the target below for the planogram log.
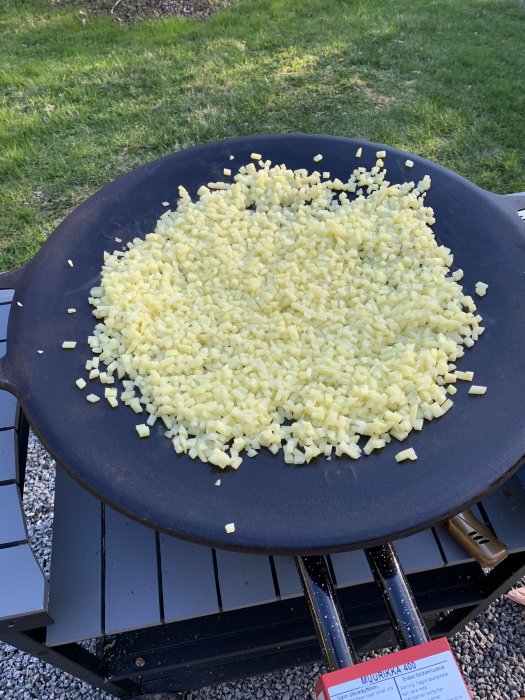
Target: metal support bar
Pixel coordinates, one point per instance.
(399, 600)
(22, 427)
(71, 658)
(326, 613)
(496, 583)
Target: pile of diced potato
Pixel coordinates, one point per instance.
(278, 310)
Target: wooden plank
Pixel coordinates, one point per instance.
(76, 564)
(7, 410)
(287, 577)
(419, 552)
(12, 525)
(244, 579)
(4, 318)
(505, 509)
(22, 583)
(7, 455)
(3, 348)
(188, 579)
(351, 568)
(521, 476)
(454, 552)
(6, 296)
(131, 587)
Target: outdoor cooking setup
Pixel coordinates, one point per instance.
(305, 511)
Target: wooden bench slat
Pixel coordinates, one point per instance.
(188, 579)
(22, 583)
(12, 525)
(76, 564)
(131, 585)
(287, 577)
(244, 579)
(4, 318)
(419, 552)
(454, 552)
(351, 568)
(6, 296)
(8, 471)
(506, 511)
(3, 348)
(8, 410)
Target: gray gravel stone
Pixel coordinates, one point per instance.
(490, 650)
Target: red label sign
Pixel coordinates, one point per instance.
(424, 672)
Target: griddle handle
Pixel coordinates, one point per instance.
(477, 539)
(517, 202)
(397, 595)
(9, 280)
(517, 199)
(327, 615)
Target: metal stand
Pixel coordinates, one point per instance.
(399, 600)
(326, 613)
(328, 618)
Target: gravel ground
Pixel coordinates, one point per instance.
(491, 649)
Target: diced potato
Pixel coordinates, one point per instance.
(406, 454)
(481, 289)
(477, 390)
(277, 312)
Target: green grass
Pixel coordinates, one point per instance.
(441, 78)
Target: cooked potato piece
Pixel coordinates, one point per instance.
(477, 390)
(406, 454)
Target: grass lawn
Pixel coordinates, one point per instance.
(83, 101)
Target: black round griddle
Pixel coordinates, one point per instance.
(325, 506)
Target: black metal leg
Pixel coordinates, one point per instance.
(327, 615)
(395, 590)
